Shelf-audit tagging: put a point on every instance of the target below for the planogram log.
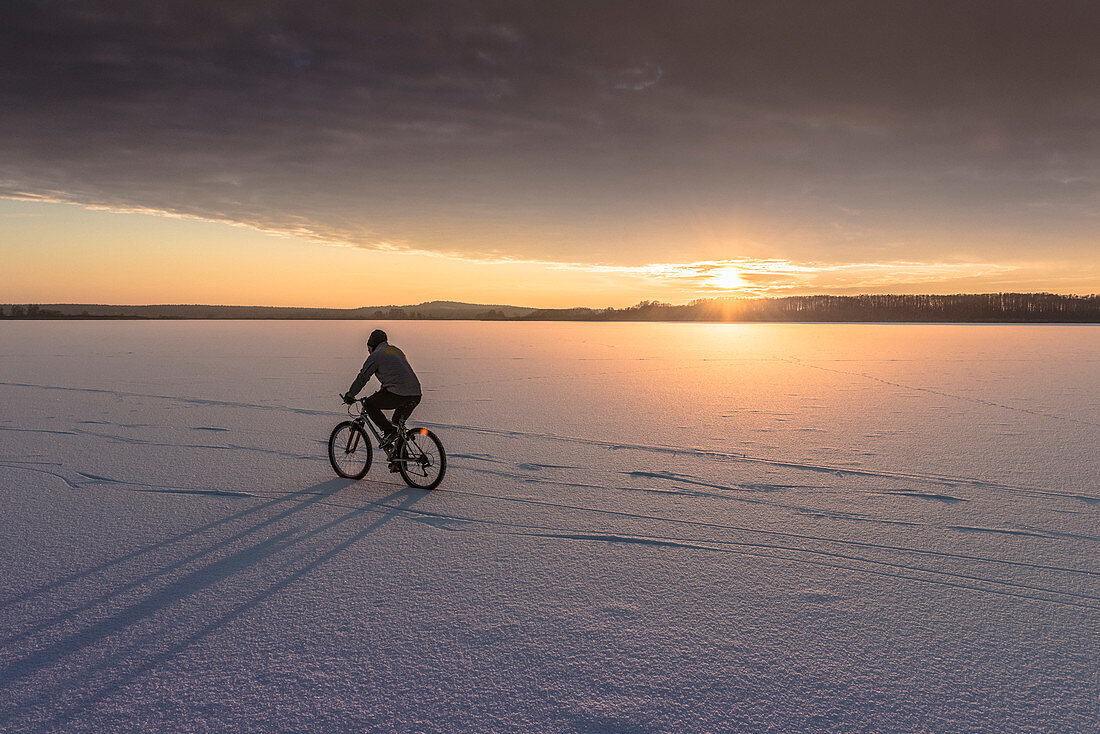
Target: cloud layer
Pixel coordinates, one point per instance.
(623, 134)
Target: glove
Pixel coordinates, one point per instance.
(348, 399)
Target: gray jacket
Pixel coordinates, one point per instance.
(393, 370)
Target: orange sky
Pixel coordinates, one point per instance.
(63, 253)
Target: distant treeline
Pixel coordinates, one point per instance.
(977, 308)
(428, 310)
(988, 307)
(30, 311)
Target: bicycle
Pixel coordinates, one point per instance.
(417, 452)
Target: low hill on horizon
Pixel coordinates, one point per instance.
(426, 310)
(963, 308)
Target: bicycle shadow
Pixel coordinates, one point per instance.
(321, 490)
(144, 650)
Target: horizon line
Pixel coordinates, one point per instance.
(643, 302)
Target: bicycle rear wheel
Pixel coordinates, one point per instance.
(349, 450)
(423, 460)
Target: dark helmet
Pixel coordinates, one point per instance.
(376, 337)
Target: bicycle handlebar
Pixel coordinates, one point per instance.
(360, 403)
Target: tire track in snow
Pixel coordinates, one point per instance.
(736, 457)
(615, 538)
(780, 533)
(941, 393)
(39, 470)
(734, 488)
(707, 544)
(736, 493)
(174, 398)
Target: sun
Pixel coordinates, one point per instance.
(727, 279)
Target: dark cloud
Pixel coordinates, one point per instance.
(460, 126)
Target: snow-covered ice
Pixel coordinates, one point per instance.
(644, 527)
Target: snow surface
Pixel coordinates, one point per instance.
(644, 527)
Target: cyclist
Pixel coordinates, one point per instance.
(400, 390)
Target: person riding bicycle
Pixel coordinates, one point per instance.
(400, 390)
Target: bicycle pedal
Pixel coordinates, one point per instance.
(394, 468)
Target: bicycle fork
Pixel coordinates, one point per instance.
(353, 442)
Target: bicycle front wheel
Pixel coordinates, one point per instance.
(349, 450)
(423, 461)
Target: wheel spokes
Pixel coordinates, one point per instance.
(349, 458)
(418, 459)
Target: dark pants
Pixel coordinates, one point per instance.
(401, 405)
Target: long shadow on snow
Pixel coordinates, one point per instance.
(305, 497)
(319, 491)
(95, 682)
(186, 585)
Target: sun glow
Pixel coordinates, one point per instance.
(728, 279)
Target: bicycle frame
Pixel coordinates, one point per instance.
(361, 419)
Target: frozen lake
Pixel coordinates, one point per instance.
(644, 527)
